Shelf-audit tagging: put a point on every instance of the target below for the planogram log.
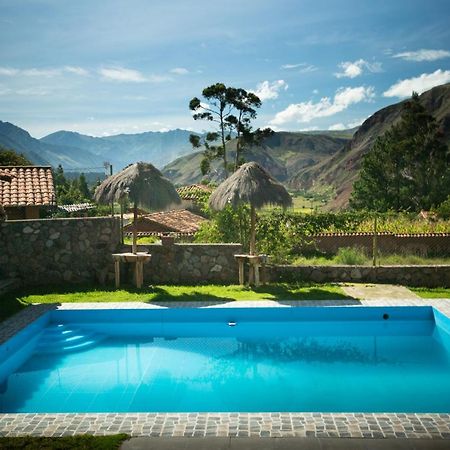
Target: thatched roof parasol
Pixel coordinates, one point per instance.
(250, 184)
(143, 184)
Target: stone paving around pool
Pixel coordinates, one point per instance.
(358, 425)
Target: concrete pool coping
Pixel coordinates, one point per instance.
(314, 425)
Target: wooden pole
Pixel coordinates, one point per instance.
(374, 243)
(121, 222)
(252, 230)
(112, 201)
(135, 214)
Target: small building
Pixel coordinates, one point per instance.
(178, 221)
(24, 190)
(194, 194)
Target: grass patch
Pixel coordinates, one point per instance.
(185, 293)
(432, 292)
(82, 442)
(13, 302)
(356, 256)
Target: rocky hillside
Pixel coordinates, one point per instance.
(283, 154)
(341, 169)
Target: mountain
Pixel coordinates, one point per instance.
(156, 147)
(283, 154)
(15, 138)
(341, 169)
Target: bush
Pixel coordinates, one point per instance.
(351, 256)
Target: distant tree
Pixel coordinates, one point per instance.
(232, 109)
(83, 187)
(11, 158)
(407, 168)
(217, 109)
(70, 192)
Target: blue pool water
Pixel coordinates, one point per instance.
(223, 359)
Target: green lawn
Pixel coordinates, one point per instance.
(13, 302)
(83, 442)
(432, 292)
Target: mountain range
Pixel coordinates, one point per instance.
(320, 160)
(77, 152)
(302, 160)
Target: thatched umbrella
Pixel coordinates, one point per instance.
(250, 184)
(144, 185)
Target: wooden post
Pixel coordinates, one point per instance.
(241, 271)
(117, 272)
(256, 269)
(374, 242)
(121, 222)
(252, 230)
(134, 248)
(112, 201)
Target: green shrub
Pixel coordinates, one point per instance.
(351, 256)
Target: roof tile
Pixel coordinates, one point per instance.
(26, 186)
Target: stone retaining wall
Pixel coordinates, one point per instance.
(59, 250)
(429, 276)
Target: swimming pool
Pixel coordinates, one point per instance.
(389, 359)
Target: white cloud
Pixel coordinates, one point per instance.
(313, 128)
(423, 55)
(8, 71)
(269, 91)
(122, 74)
(34, 72)
(179, 71)
(303, 67)
(76, 70)
(356, 68)
(315, 91)
(356, 123)
(306, 111)
(308, 68)
(337, 127)
(291, 66)
(404, 88)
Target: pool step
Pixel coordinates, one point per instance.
(61, 338)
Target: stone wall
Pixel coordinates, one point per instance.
(191, 263)
(430, 276)
(78, 250)
(59, 250)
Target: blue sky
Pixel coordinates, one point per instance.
(104, 67)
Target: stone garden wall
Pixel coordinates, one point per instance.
(59, 250)
(78, 250)
(430, 276)
(192, 263)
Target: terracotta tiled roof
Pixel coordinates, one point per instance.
(180, 220)
(194, 191)
(27, 186)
